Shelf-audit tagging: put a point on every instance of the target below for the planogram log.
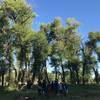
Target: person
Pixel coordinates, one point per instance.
(52, 88)
(29, 84)
(60, 88)
(39, 87)
(44, 87)
(56, 85)
(49, 89)
(65, 88)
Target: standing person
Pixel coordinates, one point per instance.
(29, 84)
(65, 88)
(60, 88)
(39, 87)
(44, 87)
(56, 86)
(52, 87)
(49, 89)
(66, 85)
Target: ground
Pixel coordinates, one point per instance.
(87, 92)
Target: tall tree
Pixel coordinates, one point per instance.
(72, 45)
(39, 53)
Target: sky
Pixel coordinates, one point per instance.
(87, 12)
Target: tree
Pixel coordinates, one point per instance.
(39, 53)
(94, 38)
(72, 46)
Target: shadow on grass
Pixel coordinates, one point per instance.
(76, 92)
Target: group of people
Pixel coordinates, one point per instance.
(52, 88)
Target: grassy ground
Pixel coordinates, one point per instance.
(88, 92)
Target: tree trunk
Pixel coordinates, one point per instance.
(2, 79)
(34, 73)
(63, 73)
(46, 75)
(83, 73)
(56, 73)
(70, 75)
(15, 73)
(96, 76)
(44, 68)
(77, 75)
(9, 70)
(9, 76)
(84, 64)
(19, 75)
(33, 77)
(23, 76)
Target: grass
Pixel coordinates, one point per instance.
(87, 92)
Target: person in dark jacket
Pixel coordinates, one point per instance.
(39, 88)
(29, 84)
(65, 88)
(44, 87)
(56, 87)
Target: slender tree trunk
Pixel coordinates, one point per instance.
(71, 76)
(9, 70)
(23, 76)
(33, 77)
(63, 73)
(34, 71)
(0, 78)
(26, 66)
(47, 76)
(84, 64)
(3, 79)
(96, 76)
(83, 73)
(56, 73)
(40, 76)
(83, 76)
(15, 73)
(19, 75)
(22, 62)
(77, 75)
(9, 77)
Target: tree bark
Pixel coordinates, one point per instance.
(96, 76)
(56, 73)
(2, 79)
(83, 73)
(63, 73)
(77, 75)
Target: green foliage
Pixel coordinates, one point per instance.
(19, 11)
(94, 36)
(71, 39)
(40, 46)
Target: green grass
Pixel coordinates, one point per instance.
(88, 92)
